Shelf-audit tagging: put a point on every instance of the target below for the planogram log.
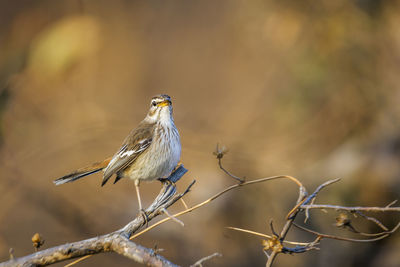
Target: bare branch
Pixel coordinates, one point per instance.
(117, 241)
(351, 209)
(167, 198)
(382, 234)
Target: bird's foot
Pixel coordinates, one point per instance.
(145, 217)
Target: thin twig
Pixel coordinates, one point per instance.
(350, 209)
(184, 204)
(173, 218)
(372, 219)
(220, 152)
(266, 236)
(271, 225)
(240, 180)
(78, 260)
(199, 263)
(383, 235)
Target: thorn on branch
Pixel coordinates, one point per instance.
(391, 203)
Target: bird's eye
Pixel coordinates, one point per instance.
(154, 103)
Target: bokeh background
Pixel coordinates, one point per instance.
(305, 88)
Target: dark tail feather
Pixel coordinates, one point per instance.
(74, 176)
(117, 178)
(105, 179)
(80, 173)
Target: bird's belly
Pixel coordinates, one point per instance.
(158, 163)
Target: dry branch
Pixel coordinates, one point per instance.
(351, 209)
(381, 235)
(275, 242)
(117, 241)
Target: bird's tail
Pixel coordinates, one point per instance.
(82, 172)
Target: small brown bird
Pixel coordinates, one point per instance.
(150, 151)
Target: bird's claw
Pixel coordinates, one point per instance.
(145, 217)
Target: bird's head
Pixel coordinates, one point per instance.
(160, 109)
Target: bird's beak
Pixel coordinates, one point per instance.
(164, 103)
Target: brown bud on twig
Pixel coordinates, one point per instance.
(37, 241)
(220, 151)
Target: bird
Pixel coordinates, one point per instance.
(151, 151)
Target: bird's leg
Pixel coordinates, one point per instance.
(137, 183)
(141, 210)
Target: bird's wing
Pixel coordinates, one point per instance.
(134, 145)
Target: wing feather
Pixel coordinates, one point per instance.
(134, 145)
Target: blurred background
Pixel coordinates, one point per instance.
(304, 88)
